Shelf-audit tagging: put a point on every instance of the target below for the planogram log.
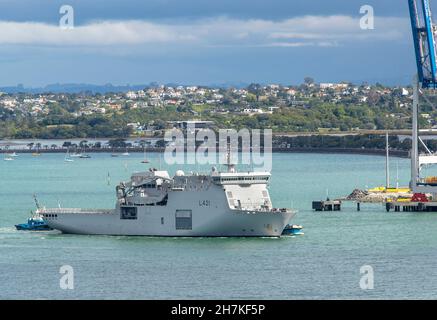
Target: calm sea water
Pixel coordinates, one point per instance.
(324, 263)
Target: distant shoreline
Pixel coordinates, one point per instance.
(358, 151)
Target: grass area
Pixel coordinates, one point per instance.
(202, 107)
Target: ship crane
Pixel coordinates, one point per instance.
(424, 32)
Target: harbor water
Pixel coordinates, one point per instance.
(324, 263)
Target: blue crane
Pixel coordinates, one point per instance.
(425, 47)
(424, 42)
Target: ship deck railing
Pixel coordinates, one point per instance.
(74, 210)
(264, 210)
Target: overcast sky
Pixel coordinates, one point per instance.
(204, 42)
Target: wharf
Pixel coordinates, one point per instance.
(327, 205)
(420, 202)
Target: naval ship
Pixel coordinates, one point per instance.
(217, 204)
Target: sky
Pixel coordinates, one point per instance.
(204, 42)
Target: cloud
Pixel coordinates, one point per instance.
(321, 31)
(302, 44)
(95, 34)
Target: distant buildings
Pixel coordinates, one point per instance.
(254, 100)
(335, 86)
(197, 124)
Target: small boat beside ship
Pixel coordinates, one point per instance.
(35, 222)
(292, 230)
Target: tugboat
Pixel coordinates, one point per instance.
(35, 222)
(292, 230)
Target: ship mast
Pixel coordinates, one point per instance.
(229, 164)
(387, 166)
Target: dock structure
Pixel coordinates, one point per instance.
(423, 197)
(327, 205)
(398, 206)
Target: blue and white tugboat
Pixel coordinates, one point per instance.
(35, 222)
(292, 230)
